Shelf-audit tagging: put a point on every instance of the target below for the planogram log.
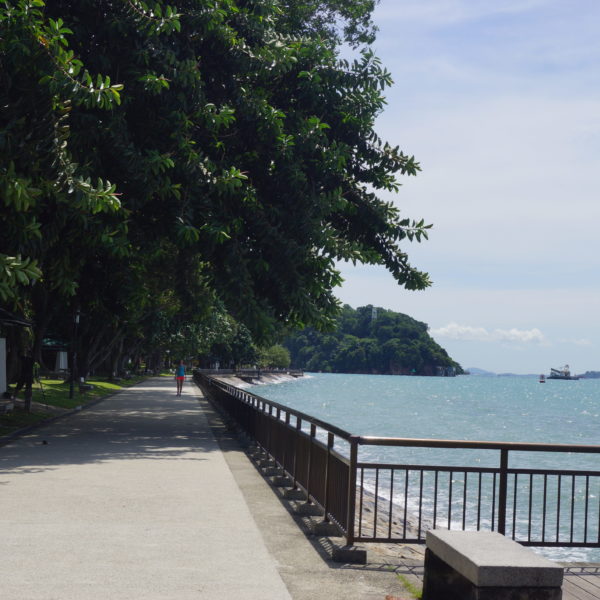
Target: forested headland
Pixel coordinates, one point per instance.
(178, 179)
(371, 340)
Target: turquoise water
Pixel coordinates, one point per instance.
(463, 408)
(512, 409)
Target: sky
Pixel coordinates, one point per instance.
(499, 101)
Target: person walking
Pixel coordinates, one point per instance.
(180, 376)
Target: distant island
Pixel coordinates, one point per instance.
(479, 372)
(483, 373)
(590, 375)
(371, 340)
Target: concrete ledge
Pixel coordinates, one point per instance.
(442, 582)
(488, 559)
(270, 471)
(325, 529)
(308, 509)
(294, 494)
(281, 481)
(349, 554)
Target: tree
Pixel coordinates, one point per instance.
(277, 357)
(216, 150)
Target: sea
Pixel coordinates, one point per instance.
(502, 408)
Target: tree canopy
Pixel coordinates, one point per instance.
(157, 159)
(371, 340)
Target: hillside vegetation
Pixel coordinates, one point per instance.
(369, 340)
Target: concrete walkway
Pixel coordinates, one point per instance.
(131, 498)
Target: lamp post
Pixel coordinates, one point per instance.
(74, 355)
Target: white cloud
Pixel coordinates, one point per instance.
(524, 336)
(455, 331)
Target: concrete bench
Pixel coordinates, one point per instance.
(482, 565)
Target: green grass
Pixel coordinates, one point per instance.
(56, 394)
(19, 419)
(410, 587)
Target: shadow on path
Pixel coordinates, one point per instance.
(146, 421)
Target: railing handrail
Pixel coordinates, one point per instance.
(464, 469)
(478, 445)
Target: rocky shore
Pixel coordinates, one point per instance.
(368, 525)
(265, 378)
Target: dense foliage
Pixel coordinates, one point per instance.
(371, 340)
(157, 161)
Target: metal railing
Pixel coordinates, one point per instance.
(308, 450)
(394, 502)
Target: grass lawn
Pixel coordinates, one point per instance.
(54, 393)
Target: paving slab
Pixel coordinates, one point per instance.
(131, 498)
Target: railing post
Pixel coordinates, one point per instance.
(313, 433)
(503, 491)
(295, 462)
(268, 421)
(326, 499)
(284, 444)
(352, 490)
(277, 419)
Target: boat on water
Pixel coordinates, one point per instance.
(564, 373)
(542, 378)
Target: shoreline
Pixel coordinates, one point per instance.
(391, 551)
(248, 382)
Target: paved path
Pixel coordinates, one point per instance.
(131, 498)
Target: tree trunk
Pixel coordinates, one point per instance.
(105, 353)
(116, 358)
(91, 337)
(28, 396)
(14, 348)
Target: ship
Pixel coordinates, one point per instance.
(564, 373)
